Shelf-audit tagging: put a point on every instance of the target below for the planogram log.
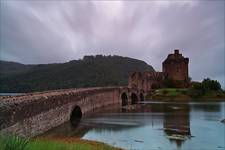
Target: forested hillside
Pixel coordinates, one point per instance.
(90, 71)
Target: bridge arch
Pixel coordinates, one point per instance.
(75, 115)
(57, 107)
(142, 97)
(134, 98)
(124, 99)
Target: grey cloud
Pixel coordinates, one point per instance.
(58, 31)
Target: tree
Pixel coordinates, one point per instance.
(209, 85)
(200, 88)
(197, 90)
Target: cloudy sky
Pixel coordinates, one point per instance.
(59, 31)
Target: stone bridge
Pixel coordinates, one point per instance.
(34, 113)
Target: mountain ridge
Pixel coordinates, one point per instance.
(90, 71)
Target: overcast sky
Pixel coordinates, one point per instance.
(59, 31)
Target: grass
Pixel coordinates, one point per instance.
(55, 145)
(215, 94)
(18, 143)
(171, 91)
(13, 143)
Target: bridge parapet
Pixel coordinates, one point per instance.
(35, 113)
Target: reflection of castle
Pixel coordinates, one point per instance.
(177, 123)
(175, 69)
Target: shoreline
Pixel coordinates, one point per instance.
(95, 145)
(185, 95)
(186, 99)
(52, 143)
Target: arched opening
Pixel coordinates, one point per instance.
(142, 97)
(124, 99)
(75, 116)
(134, 98)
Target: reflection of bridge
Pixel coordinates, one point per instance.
(35, 113)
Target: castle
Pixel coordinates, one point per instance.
(175, 72)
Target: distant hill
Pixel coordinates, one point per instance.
(90, 71)
(7, 68)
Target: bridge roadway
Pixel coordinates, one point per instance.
(31, 114)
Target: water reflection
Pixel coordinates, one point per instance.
(177, 123)
(207, 107)
(153, 126)
(209, 111)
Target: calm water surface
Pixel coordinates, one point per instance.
(10, 94)
(154, 126)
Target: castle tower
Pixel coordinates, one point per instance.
(176, 67)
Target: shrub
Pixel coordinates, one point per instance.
(168, 83)
(197, 86)
(197, 90)
(184, 92)
(164, 92)
(209, 84)
(196, 93)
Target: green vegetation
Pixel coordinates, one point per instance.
(91, 71)
(169, 94)
(18, 143)
(206, 87)
(55, 145)
(171, 91)
(206, 90)
(13, 143)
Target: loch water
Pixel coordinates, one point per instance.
(153, 126)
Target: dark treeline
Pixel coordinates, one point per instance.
(90, 71)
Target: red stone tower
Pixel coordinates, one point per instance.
(176, 67)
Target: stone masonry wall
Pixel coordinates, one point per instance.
(31, 115)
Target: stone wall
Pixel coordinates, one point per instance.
(35, 113)
(146, 80)
(176, 67)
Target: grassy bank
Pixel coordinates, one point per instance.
(62, 143)
(173, 94)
